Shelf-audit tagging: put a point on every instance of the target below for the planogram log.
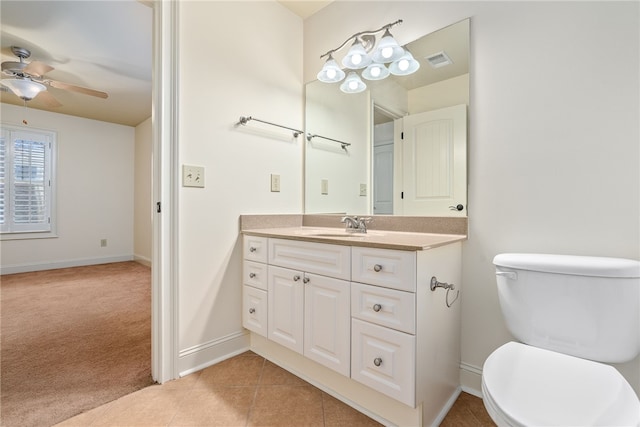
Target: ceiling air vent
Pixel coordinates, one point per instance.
(439, 59)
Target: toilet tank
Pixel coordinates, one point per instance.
(587, 307)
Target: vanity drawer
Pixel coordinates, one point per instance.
(255, 248)
(324, 259)
(382, 306)
(254, 274)
(254, 310)
(384, 360)
(384, 267)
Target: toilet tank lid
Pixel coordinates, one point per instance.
(570, 264)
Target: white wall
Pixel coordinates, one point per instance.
(236, 59)
(142, 204)
(554, 158)
(94, 194)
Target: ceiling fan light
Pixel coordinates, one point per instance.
(357, 57)
(405, 65)
(24, 88)
(388, 49)
(331, 72)
(375, 71)
(353, 84)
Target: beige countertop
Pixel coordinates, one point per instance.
(406, 241)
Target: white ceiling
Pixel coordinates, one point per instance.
(304, 9)
(102, 45)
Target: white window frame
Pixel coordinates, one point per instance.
(9, 230)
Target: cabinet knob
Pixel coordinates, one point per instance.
(296, 278)
(306, 280)
(377, 268)
(252, 275)
(377, 361)
(377, 307)
(252, 249)
(252, 310)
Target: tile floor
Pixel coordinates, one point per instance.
(246, 390)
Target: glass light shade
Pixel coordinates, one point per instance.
(357, 57)
(24, 88)
(405, 65)
(375, 71)
(352, 84)
(331, 72)
(388, 49)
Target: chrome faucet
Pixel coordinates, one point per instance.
(356, 224)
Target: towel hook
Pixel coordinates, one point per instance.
(449, 287)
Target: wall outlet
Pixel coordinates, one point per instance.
(192, 176)
(324, 186)
(275, 183)
(363, 189)
(103, 243)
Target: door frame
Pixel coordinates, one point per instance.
(164, 267)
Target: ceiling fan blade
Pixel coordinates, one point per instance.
(37, 68)
(48, 99)
(79, 89)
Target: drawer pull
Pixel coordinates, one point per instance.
(306, 280)
(377, 361)
(252, 310)
(252, 249)
(296, 278)
(252, 275)
(377, 268)
(377, 307)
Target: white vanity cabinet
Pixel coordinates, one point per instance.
(309, 300)
(254, 285)
(405, 340)
(366, 313)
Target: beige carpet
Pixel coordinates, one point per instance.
(72, 339)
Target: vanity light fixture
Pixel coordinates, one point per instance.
(364, 55)
(404, 65)
(352, 84)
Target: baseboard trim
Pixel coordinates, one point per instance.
(27, 268)
(142, 260)
(471, 379)
(203, 355)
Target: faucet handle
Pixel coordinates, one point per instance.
(363, 221)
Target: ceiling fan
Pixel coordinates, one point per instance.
(28, 80)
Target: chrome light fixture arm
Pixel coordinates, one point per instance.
(359, 36)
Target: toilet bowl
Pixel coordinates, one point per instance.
(528, 386)
(569, 314)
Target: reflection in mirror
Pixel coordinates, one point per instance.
(423, 174)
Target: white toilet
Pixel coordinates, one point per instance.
(569, 313)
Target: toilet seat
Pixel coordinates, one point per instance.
(528, 386)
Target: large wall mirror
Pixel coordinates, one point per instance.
(407, 136)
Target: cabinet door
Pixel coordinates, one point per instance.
(286, 307)
(384, 360)
(254, 310)
(327, 337)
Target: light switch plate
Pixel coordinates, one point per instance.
(324, 186)
(275, 183)
(363, 189)
(192, 176)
